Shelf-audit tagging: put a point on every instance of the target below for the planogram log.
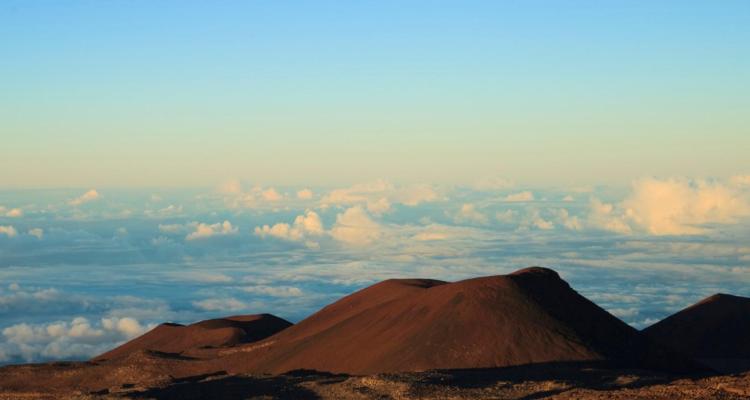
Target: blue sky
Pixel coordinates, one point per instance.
(127, 94)
(176, 161)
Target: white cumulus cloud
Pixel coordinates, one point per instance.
(231, 186)
(506, 216)
(535, 220)
(540, 223)
(681, 206)
(570, 222)
(205, 277)
(203, 231)
(354, 226)
(8, 230)
(675, 206)
(380, 206)
(274, 291)
(89, 196)
(305, 194)
(379, 195)
(169, 210)
(78, 338)
(519, 197)
(14, 213)
(469, 213)
(303, 227)
(257, 197)
(604, 216)
(271, 194)
(226, 304)
(172, 228)
(36, 232)
(435, 232)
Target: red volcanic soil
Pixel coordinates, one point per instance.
(521, 335)
(221, 332)
(715, 330)
(530, 316)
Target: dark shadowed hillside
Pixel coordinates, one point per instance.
(715, 331)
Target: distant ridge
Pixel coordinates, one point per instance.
(221, 332)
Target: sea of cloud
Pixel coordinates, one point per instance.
(81, 271)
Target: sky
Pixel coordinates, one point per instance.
(178, 161)
(186, 94)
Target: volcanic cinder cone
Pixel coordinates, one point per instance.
(530, 316)
(715, 331)
(221, 332)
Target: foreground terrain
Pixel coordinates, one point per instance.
(525, 335)
(560, 380)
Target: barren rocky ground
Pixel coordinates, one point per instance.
(560, 381)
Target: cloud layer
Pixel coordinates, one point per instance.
(77, 280)
(65, 340)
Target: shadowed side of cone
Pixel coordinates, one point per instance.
(714, 331)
